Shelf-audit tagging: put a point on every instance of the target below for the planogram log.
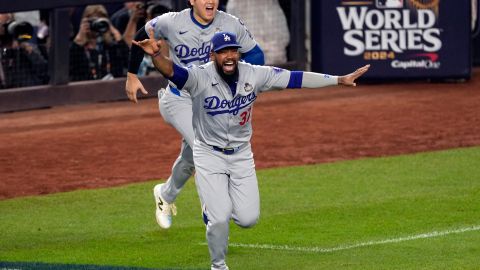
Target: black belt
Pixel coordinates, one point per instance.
(226, 150)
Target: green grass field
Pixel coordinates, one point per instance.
(417, 211)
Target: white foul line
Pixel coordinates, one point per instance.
(363, 244)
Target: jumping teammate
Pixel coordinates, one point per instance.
(188, 34)
(223, 92)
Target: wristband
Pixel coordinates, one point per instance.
(157, 54)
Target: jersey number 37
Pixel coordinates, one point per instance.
(245, 116)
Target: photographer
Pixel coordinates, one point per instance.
(132, 17)
(122, 17)
(98, 51)
(22, 64)
(138, 12)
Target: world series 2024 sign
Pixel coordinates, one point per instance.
(399, 38)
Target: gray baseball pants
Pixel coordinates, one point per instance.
(228, 189)
(177, 111)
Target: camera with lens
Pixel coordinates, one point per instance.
(99, 25)
(20, 31)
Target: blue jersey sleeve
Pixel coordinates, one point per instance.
(255, 56)
(180, 76)
(296, 78)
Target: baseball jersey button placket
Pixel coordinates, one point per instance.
(231, 124)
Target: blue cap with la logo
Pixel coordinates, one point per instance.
(222, 40)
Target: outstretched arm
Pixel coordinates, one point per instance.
(301, 79)
(315, 80)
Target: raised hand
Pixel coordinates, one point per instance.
(349, 79)
(149, 46)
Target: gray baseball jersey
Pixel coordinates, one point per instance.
(190, 42)
(227, 183)
(220, 118)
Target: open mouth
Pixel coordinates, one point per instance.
(229, 67)
(210, 9)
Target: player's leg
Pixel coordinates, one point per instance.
(212, 186)
(177, 111)
(243, 188)
(182, 169)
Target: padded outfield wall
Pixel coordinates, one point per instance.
(401, 39)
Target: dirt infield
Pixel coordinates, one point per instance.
(111, 144)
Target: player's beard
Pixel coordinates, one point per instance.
(228, 77)
(227, 67)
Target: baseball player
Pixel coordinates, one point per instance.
(223, 92)
(188, 33)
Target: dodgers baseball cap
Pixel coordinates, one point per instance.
(223, 40)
